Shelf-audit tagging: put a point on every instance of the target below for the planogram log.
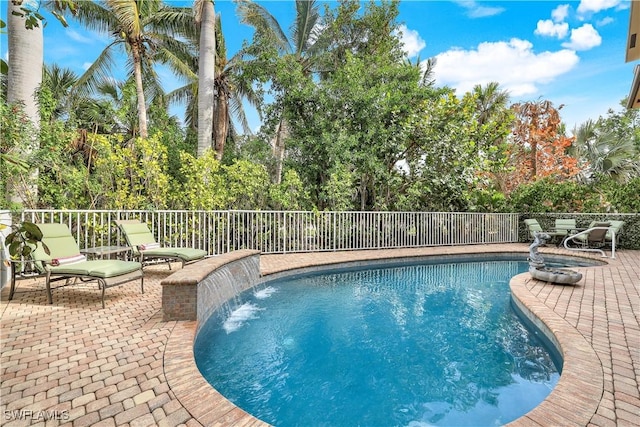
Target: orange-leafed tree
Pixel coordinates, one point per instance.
(538, 146)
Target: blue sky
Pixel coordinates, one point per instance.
(571, 53)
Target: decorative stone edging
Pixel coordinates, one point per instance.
(575, 399)
(197, 396)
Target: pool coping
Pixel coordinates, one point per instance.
(573, 401)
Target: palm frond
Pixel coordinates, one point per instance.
(97, 71)
(94, 16)
(178, 58)
(237, 112)
(128, 15)
(266, 25)
(186, 95)
(182, 95)
(307, 17)
(428, 72)
(175, 20)
(243, 89)
(221, 45)
(58, 77)
(110, 88)
(151, 83)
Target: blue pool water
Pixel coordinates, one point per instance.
(405, 345)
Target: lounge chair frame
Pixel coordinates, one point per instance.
(159, 255)
(103, 283)
(77, 271)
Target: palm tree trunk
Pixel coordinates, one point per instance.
(221, 123)
(278, 149)
(142, 105)
(206, 75)
(25, 76)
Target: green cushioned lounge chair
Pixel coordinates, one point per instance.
(532, 225)
(564, 227)
(64, 261)
(144, 245)
(616, 227)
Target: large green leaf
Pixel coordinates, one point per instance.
(33, 230)
(14, 248)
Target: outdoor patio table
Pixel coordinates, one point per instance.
(554, 234)
(106, 251)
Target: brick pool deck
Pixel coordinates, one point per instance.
(124, 366)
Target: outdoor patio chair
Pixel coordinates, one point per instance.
(616, 227)
(594, 238)
(64, 261)
(532, 226)
(564, 227)
(144, 245)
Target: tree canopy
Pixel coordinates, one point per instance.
(349, 123)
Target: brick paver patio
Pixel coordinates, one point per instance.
(75, 364)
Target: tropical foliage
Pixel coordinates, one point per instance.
(349, 123)
(609, 147)
(145, 32)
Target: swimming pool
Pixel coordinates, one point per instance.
(416, 344)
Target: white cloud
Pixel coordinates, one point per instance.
(411, 41)
(551, 29)
(583, 38)
(77, 37)
(560, 13)
(474, 10)
(514, 65)
(594, 6)
(604, 21)
(86, 65)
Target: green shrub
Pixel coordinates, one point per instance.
(604, 196)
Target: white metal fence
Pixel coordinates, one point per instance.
(288, 231)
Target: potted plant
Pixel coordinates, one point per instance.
(23, 239)
(21, 242)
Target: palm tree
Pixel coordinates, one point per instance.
(24, 71)
(59, 82)
(305, 31)
(602, 153)
(206, 18)
(231, 86)
(145, 30)
(114, 112)
(490, 100)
